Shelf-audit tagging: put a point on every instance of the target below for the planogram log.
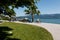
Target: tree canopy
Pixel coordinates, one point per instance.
(32, 10)
(16, 3)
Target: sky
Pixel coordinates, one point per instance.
(45, 7)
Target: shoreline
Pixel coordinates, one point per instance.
(52, 28)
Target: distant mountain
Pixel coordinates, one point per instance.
(44, 16)
(50, 16)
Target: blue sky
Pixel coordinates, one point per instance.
(45, 6)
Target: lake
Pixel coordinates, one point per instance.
(56, 21)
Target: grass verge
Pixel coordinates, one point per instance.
(27, 32)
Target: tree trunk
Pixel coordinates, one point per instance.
(10, 17)
(32, 17)
(39, 17)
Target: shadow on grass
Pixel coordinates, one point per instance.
(4, 33)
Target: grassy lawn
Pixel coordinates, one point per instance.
(27, 32)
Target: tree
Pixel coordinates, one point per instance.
(10, 13)
(4, 14)
(38, 13)
(1, 12)
(32, 10)
(15, 4)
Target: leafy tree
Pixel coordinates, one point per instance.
(15, 4)
(38, 13)
(8, 12)
(32, 10)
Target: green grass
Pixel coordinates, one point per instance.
(28, 32)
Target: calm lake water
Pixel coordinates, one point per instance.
(56, 21)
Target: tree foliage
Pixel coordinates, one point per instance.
(16, 3)
(32, 10)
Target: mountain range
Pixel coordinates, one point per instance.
(50, 16)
